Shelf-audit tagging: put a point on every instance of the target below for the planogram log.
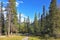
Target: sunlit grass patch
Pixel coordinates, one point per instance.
(34, 38)
(12, 38)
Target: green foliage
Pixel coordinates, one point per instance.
(35, 24)
(13, 14)
(43, 20)
(52, 13)
(48, 24)
(19, 21)
(39, 22)
(1, 20)
(28, 24)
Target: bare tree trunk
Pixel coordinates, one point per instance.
(9, 21)
(19, 21)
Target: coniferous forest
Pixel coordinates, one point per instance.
(45, 24)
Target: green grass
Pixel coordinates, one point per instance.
(18, 38)
(39, 38)
(12, 38)
(22, 37)
(33, 38)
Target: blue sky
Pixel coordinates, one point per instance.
(29, 7)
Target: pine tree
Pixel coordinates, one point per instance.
(43, 19)
(47, 22)
(35, 24)
(7, 21)
(1, 20)
(57, 20)
(13, 15)
(28, 24)
(39, 22)
(25, 27)
(52, 13)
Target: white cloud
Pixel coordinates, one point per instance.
(31, 20)
(22, 17)
(3, 8)
(5, 12)
(18, 2)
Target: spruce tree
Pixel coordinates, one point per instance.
(13, 16)
(52, 13)
(28, 24)
(1, 19)
(39, 22)
(35, 24)
(43, 19)
(57, 20)
(47, 23)
(25, 27)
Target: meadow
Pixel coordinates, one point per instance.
(14, 37)
(17, 38)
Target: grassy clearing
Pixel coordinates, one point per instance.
(38, 38)
(21, 37)
(12, 38)
(18, 38)
(33, 38)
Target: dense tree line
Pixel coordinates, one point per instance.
(45, 23)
